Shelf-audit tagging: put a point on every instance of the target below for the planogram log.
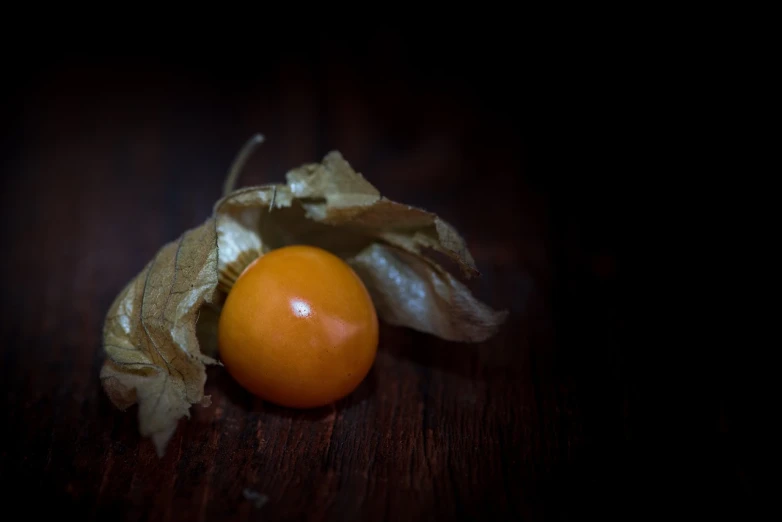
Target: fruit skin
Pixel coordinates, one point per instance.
(298, 328)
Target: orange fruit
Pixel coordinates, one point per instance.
(298, 328)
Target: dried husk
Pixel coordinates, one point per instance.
(161, 329)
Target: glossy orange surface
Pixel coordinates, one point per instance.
(298, 328)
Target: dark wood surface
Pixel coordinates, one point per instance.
(108, 160)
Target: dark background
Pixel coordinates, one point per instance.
(108, 153)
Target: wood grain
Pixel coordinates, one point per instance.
(108, 165)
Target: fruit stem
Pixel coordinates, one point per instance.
(239, 162)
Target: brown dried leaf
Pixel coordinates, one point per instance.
(331, 206)
(153, 355)
(409, 290)
(161, 329)
(332, 193)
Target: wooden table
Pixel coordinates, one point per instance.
(110, 160)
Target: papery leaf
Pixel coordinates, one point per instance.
(238, 219)
(153, 355)
(334, 194)
(331, 206)
(408, 290)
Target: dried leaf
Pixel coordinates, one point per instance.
(409, 290)
(332, 206)
(161, 330)
(153, 356)
(332, 193)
